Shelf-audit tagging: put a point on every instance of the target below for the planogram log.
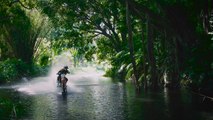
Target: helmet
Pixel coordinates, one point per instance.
(66, 67)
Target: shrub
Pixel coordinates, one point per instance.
(8, 70)
(14, 69)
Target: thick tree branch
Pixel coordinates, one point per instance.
(18, 1)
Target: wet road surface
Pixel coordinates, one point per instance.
(93, 97)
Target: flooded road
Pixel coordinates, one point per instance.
(93, 97)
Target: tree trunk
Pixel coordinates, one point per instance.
(144, 58)
(131, 45)
(150, 47)
(175, 77)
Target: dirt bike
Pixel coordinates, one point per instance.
(63, 84)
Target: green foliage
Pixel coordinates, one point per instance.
(12, 107)
(199, 67)
(180, 41)
(20, 30)
(14, 69)
(104, 51)
(44, 60)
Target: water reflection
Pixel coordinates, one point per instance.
(109, 102)
(175, 105)
(180, 105)
(62, 108)
(91, 96)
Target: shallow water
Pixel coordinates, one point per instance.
(93, 97)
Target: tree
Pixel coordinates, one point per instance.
(20, 33)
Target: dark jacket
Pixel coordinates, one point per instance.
(63, 71)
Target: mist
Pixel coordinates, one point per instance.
(78, 76)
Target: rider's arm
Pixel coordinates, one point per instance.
(67, 71)
(59, 72)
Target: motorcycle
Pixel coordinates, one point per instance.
(62, 81)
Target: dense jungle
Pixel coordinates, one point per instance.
(145, 45)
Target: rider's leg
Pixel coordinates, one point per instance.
(59, 78)
(66, 80)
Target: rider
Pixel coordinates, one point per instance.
(63, 71)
